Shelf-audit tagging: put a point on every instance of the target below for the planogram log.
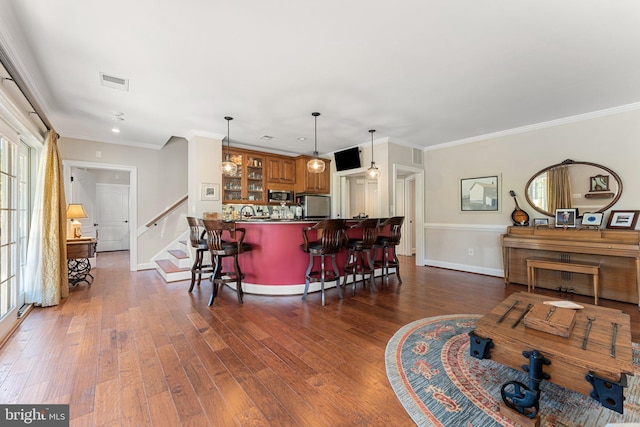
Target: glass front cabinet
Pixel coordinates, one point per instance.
(247, 185)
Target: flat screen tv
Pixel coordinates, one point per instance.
(347, 159)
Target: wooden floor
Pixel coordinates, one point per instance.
(133, 350)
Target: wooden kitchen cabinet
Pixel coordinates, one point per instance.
(281, 171)
(315, 183)
(248, 184)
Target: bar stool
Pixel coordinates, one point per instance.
(358, 249)
(220, 249)
(199, 243)
(388, 243)
(330, 241)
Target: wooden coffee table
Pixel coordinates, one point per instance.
(598, 371)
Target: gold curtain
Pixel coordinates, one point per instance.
(559, 188)
(47, 278)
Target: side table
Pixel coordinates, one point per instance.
(78, 253)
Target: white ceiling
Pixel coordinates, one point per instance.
(421, 72)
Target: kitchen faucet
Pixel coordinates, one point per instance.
(250, 211)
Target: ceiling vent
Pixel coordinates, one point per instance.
(114, 82)
(417, 156)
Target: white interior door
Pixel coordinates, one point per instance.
(113, 222)
(410, 215)
(83, 190)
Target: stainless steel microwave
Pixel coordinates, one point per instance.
(278, 196)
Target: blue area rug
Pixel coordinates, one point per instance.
(439, 384)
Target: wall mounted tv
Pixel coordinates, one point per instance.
(347, 159)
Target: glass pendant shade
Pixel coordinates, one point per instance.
(372, 172)
(315, 165)
(229, 168)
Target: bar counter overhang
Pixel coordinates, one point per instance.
(276, 265)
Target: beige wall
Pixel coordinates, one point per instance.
(611, 141)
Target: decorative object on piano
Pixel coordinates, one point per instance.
(592, 219)
(589, 184)
(537, 222)
(623, 220)
(518, 216)
(74, 212)
(566, 218)
(480, 194)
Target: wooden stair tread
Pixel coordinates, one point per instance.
(169, 267)
(180, 254)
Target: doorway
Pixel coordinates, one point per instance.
(126, 201)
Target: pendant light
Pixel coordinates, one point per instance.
(228, 167)
(315, 165)
(372, 172)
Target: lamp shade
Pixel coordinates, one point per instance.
(75, 211)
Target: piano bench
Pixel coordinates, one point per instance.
(571, 267)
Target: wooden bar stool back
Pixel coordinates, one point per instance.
(326, 238)
(387, 243)
(359, 260)
(199, 244)
(220, 249)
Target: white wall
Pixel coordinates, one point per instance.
(161, 181)
(611, 141)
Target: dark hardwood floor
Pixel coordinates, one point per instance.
(134, 350)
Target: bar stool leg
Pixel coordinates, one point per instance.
(215, 276)
(307, 277)
(337, 273)
(238, 278)
(322, 277)
(397, 262)
(372, 283)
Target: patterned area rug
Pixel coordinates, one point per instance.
(439, 384)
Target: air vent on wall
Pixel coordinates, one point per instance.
(114, 82)
(417, 156)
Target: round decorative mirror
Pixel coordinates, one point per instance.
(588, 187)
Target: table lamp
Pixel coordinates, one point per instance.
(75, 211)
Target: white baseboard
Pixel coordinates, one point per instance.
(464, 267)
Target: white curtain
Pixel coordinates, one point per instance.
(47, 280)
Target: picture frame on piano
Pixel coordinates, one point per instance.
(566, 218)
(623, 220)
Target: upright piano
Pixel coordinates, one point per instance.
(616, 251)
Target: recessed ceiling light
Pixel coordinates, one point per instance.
(302, 138)
(266, 137)
(115, 130)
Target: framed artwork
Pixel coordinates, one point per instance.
(540, 221)
(566, 217)
(480, 194)
(209, 191)
(624, 220)
(600, 183)
(594, 219)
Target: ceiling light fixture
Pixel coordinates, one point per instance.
(372, 172)
(315, 165)
(228, 167)
(115, 130)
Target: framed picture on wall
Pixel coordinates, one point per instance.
(480, 194)
(566, 217)
(624, 220)
(209, 191)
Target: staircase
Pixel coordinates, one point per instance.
(177, 265)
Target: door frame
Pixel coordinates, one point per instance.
(398, 169)
(133, 197)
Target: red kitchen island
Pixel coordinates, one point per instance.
(276, 265)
